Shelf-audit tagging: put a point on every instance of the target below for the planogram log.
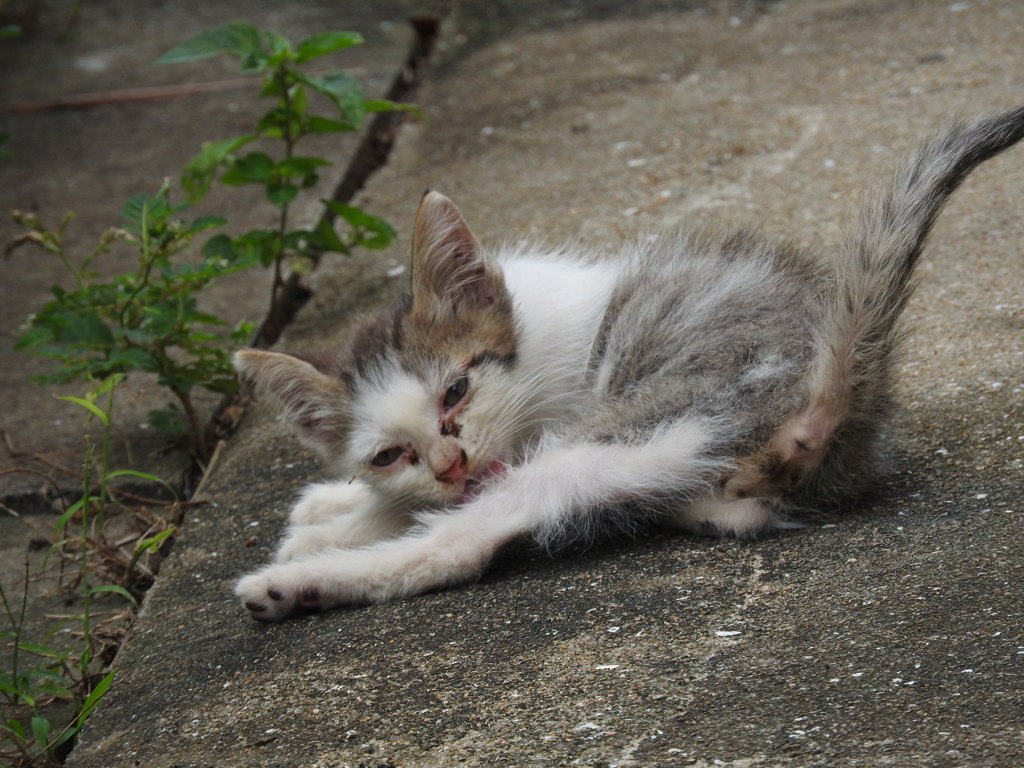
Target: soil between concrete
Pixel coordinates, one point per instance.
(892, 637)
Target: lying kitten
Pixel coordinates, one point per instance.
(718, 383)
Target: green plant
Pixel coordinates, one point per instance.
(64, 675)
(287, 122)
(25, 688)
(145, 320)
(35, 730)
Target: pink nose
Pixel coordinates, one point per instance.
(456, 471)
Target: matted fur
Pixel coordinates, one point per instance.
(718, 382)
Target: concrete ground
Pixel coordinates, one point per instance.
(892, 636)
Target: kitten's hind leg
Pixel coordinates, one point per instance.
(559, 491)
(795, 450)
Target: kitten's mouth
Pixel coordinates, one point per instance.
(475, 485)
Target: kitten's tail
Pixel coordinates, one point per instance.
(851, 376)
(877, 263)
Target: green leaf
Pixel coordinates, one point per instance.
(200, 171)
(343, 90)
(241, 335)
(319, 124)
(153, 210)
(153, 543)
(325, 42)
(97, 693)
(69, 513)
(105, 386)
(280, 47)
(9, 30)
(132, 359)
(86, 330)
(299, 166)
(36, 336)
(94, 409)
(7, 688)
(87, 708)
(219, 247)
(326, 239)
(386, 105)
(15, 726)
(263, 245)
(281, 194)
(279, 121)
(253, 168)
(370, 231)
(237, 39)
(41, 730)
(54, 685)
(203, 223)
(117, 590)
(42, 650)
(142, 476)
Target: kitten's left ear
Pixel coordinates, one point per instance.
(312, 401)
(446, 262)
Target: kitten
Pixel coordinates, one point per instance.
(719, 383)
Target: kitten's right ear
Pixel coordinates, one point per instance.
(312, 400)
(446, 263)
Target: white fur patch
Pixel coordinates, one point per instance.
(396, 409)
(746, 517)
(575, 292)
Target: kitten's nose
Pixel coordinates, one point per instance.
(456, 471)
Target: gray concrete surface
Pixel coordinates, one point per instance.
(891, 637)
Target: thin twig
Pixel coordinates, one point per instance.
(17, 454)
(129, 95)
(210, 467)
(46, 477)
(121, 492)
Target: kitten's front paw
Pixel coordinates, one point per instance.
(274, 594)
(303, 540)
(323, 502)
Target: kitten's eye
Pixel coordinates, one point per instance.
(456, 392)
(387, 457)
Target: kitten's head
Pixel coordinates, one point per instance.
(421, 402)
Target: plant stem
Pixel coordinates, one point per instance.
(195, 424)
(289, 140)
(75, 271)
(16, 624)
(87, 470)
(105, 459)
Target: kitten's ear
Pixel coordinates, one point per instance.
(446, 261)
(312, 400)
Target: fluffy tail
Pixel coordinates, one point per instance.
(877, 265)
(876, 268)
(825, 448)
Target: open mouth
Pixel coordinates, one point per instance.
(475, 485)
